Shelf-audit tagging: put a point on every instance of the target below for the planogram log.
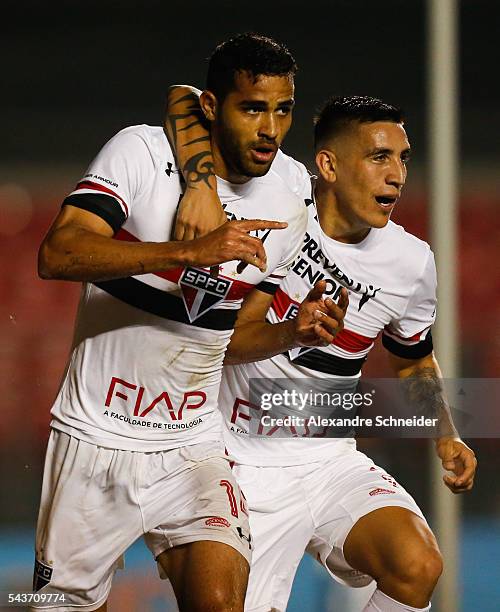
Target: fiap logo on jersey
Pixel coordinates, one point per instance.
(201, 292)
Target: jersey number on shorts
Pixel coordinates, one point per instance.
(230, 494)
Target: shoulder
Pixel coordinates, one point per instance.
(292, 173)
(142, 139)
(280, 198)
(291, 206)
(286, 166)
(410, 253)
(135, 133)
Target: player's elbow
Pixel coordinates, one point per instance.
(229, 361)
(237, 353)
(231, 357)
(46, 268)
(50, 264)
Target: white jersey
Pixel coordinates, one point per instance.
(145, 368)
(391, 279)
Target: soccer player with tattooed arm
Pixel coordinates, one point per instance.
(322, 495)
(136, 442)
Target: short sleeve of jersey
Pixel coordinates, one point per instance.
(410, 336)
(114, 178)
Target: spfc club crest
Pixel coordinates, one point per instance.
(201, 292)
(41, 576)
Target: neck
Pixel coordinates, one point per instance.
(223, 169)
(334, 221)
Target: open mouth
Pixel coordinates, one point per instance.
(263, 153)
(386, 201)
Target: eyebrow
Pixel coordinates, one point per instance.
(254, 103)
(263, 104)
(289, 102)
(379, 150)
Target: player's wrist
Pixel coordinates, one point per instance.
(207, 187)
(444, 439)
(290, 338)
(180, 253)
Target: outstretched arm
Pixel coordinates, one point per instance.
(424, 389)
(317, 323)
(200, 209)
(79, 247)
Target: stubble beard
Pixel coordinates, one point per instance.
(234, 157)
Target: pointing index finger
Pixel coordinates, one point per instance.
(257, 224)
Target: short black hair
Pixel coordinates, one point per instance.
(339, 111)
(251, 53)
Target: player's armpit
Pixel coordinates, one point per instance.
(200, 210)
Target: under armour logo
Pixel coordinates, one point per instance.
(170, 169)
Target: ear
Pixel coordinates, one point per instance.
(208, 103)
(326, 163)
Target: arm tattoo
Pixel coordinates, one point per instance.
(198, 168)
(193, 112)
(189, 125)
(196, 140)
(423, 390)
(188, 97)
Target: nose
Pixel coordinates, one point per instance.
(268, 126)
(397, 175)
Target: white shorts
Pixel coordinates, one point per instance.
(97, 501)
(310, 508)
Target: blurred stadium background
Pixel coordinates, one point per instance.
(75, 73)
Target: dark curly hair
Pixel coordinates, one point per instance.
(249, 52)
(339, 111)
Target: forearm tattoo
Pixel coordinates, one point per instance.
(199, 168)
(423, 390)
